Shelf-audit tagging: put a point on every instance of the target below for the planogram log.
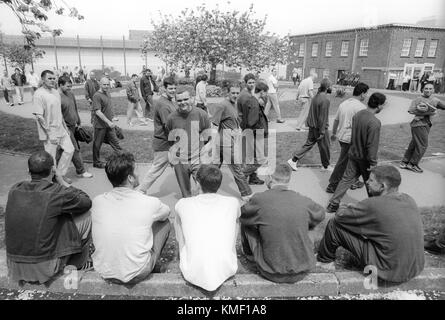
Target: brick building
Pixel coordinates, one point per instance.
(377, 54)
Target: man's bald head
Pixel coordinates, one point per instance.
(104, 84)
(40, 164)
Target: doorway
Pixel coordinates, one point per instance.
(415, 71)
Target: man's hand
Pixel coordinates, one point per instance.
(333, 137)
(320, 137)
(371, 167)
(112, 125)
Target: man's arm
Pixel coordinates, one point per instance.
(75, 201)
(372, 143)
(249, 212)
(39, 110)
(316, 214)
(162, 213)
(201, 93)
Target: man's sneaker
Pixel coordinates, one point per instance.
(280, 121)
(20, 103)
(67, 180)
(11, 104)
(414, 168)
(253, 179)
(327, 169)
(403, 165)
(332, 207)
(432, 247)
(330, 189)
(292, 164)
(85, 175)
(357, 185)
(149, 119)
(99, 165)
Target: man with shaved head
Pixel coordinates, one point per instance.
(103, 122)
(91, 87)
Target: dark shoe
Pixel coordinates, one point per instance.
(432, 247)
(332, 207)
(280, 121)
(253, 179)
(403, 165)
(67, 180)
(357, 185)
(414, 168)
(99, 165)
(330, 189)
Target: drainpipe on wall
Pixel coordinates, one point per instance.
(386, 80)
(354, 54)
(304, 58)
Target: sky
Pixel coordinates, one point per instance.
(113, 18)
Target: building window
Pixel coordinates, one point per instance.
(406, 47)
(419, 48)
(326, 73)
(433, 48)
(363, 48)
(315, 49)
(329, 49)
(301, 51)
(344, 48)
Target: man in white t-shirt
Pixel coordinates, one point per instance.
(342, 130)
(130, 229)
(305, 93)
(206, 230)
(51, 126)
(33, 80)
(272, 82)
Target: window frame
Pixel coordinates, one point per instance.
(416, 55)
(347, 48)
(436, 41)
(330, 49)
(314, 44)
(361, 51)
(404, 53)
(301, 50)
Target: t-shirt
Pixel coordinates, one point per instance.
(345, 112)
(393, 228)
(192, 125)
(225, 116)
(162, 109)
(206, 230)
(122, 232)
(47, 103)
(69, 109)
(102, 102)
(201, 92)
(305, 86)
(271, 83)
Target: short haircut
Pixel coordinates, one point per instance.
(204, 77)
(233, 84)
(119, 166)
(45, 72)
(248, 77)
(134, 75)
(64, 80)
(17, 69)
(169, 81)
(360, 88)
(209, 177)
(181, 90)
(376, 100)
(388, 174)
(282, 173)
(261, 86)
(324, 85)
(40, 163)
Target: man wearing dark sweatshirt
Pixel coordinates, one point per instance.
(365, 138)
(318, 123)
(384, 231)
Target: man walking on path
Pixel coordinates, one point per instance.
(272, 83)
(245, 94)
(201, 93)
(363, 151)
(72, 120)
(33, 81)
(51, 126)
(226, 119)
(148, 88)
(384, 231)
(19, 80)
(305, 92)
(134, 102)
(164, 106)
(318, 123)
(103, 124)
(423, 108)
(343, 125)
(91, 87)
(5, 85)
(186, 126)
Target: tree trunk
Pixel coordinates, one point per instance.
(213, 74)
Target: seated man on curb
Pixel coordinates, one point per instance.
(130, 228)
(384, 231)
(206, 232)
(436, 245)
(47, 225)
(274, 229)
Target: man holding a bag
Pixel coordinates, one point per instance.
(134, 102)
(72, 120)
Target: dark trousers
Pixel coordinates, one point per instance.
(148, 105)
(340, 166)
(441, 238)
(418, 145)
(312, 139)
(335, 236)
(405, 85)
(6, 94)
(77, 156)
(227, 156)
(183, 173)
(104, 135)
(354, 169)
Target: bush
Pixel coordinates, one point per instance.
(214, 91)
(186, 81)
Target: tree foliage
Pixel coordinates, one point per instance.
(19, 56)
(32, 15)
(201, 37)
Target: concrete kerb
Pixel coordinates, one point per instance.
(164, 285)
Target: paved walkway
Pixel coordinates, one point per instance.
(395, 112)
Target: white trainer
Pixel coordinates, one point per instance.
(85, 175)
(292, 164)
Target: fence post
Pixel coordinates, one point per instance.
(125, 58)
(55, 52)
(78, 49)
(102, 51)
